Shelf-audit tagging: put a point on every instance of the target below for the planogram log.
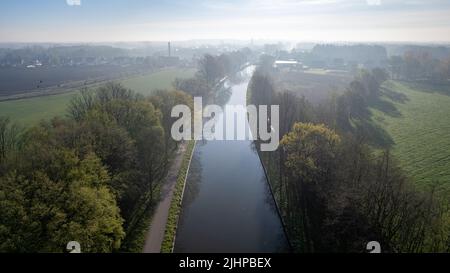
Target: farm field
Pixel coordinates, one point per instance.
(146, 84)
(419, 123)
(315, 86)
(15, 81)
(31, 110)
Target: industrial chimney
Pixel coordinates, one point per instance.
(168, 46)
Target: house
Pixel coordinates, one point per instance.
(289, 65)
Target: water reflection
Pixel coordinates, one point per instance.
(223, 95)
(194, 178)
(227, 205)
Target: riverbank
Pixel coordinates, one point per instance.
(162, 213)
(175, 204)
(269, 182)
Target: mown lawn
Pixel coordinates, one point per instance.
(418, 120)
(29, 111)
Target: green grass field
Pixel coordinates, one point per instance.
(29, 111)
(418, 120)
(146, 84)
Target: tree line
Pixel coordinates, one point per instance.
(335, 190)
(61, 55)
(212, 69)
(93, 176)
(420, 66)
(363, 54)
(90, 177)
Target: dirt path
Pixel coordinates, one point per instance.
(155, 234)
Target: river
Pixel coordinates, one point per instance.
(227, 205)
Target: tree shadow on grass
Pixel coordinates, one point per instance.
(394, 95)
(375, 134)
(367, 127)
(386, 107)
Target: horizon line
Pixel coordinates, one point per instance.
(235, 40)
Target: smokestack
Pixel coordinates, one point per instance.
(168, 45)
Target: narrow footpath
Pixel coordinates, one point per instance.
(155, 234)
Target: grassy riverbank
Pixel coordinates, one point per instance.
(175, 206)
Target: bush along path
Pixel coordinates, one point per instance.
(164, 213)
(175, 207)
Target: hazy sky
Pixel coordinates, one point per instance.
(298, 20)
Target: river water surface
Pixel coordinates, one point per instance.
(227, 205)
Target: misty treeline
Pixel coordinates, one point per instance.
(365, 54)
(420, 66)
(93, 176)
(212, 69)
(336, 191)
(59, 55)
(79, 55)
(404, 62)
